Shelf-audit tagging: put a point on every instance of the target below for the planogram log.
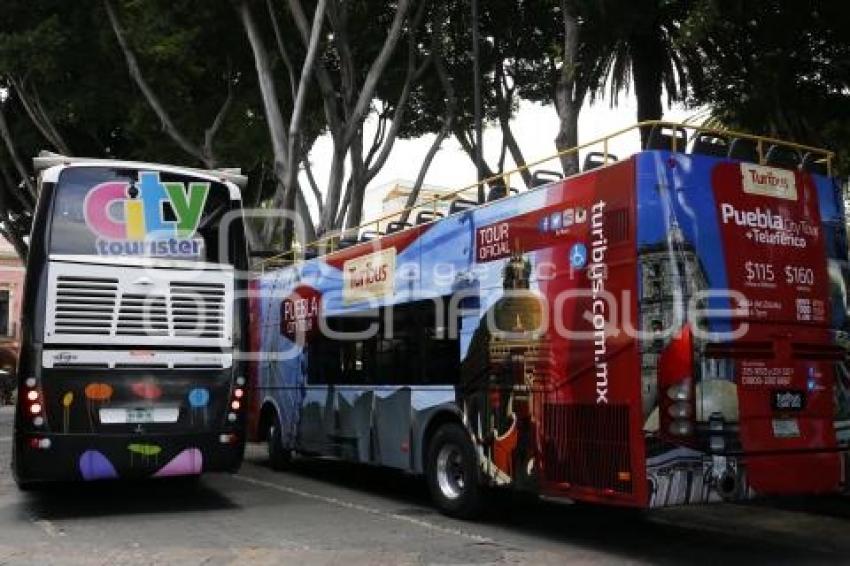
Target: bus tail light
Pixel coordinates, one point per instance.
(37, 443)
(32, 400)
(677, 389)
(237, 400)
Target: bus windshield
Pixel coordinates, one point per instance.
(113, 212)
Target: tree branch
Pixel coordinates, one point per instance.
(448, 120)
(153, 101)
(39, 117)
(504, 100)
(6, 134)
(311, 180)
(378, 138)
(414, 74)
(284, 55)
(291, 201)
(375, 71)
(211, 132)
(271, 108)
(326, 87)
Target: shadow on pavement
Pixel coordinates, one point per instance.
(707, 534)
(103, 499)
(835, 506)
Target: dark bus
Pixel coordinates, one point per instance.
(130, 364)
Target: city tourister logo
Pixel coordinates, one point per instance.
(130, 219)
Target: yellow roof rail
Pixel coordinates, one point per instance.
(329, 243)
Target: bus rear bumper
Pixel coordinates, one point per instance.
(72, 457)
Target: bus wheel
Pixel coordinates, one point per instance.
(279, 458)
(452, 473)
(28, 486)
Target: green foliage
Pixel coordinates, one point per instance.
(780, 67)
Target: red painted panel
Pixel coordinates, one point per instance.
(775, 256)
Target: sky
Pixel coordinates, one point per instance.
(534, 126)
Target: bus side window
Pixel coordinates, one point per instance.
(337, 360)
(420, 352)
(412, 347)
(442, 348)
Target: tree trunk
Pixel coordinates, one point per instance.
(647, 70)
(271, 108)
(356, 182)
(568, 97)
(568, 137)
(333, 210)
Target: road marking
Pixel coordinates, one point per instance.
(5, 439)
(367, 509)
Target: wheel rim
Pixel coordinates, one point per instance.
(451, 476)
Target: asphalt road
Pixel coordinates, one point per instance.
(332, 513)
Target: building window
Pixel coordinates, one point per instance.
(5, 303)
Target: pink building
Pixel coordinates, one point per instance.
(11, 294)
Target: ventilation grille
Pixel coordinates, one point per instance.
(588, 446)
(617, 226)
(121, 305)
(197, 309)
(84, 305)
(142, 315)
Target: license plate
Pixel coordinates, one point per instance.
(139, 415)
(786, 428)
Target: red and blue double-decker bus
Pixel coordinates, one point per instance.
(659, 330)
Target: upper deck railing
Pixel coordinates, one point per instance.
(661, 135)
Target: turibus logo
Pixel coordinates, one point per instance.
(130, 219)
(768, 181)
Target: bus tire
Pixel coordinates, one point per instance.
(452, 472)
(280, 458)
(28, 486)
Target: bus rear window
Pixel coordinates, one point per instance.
(137, 213)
